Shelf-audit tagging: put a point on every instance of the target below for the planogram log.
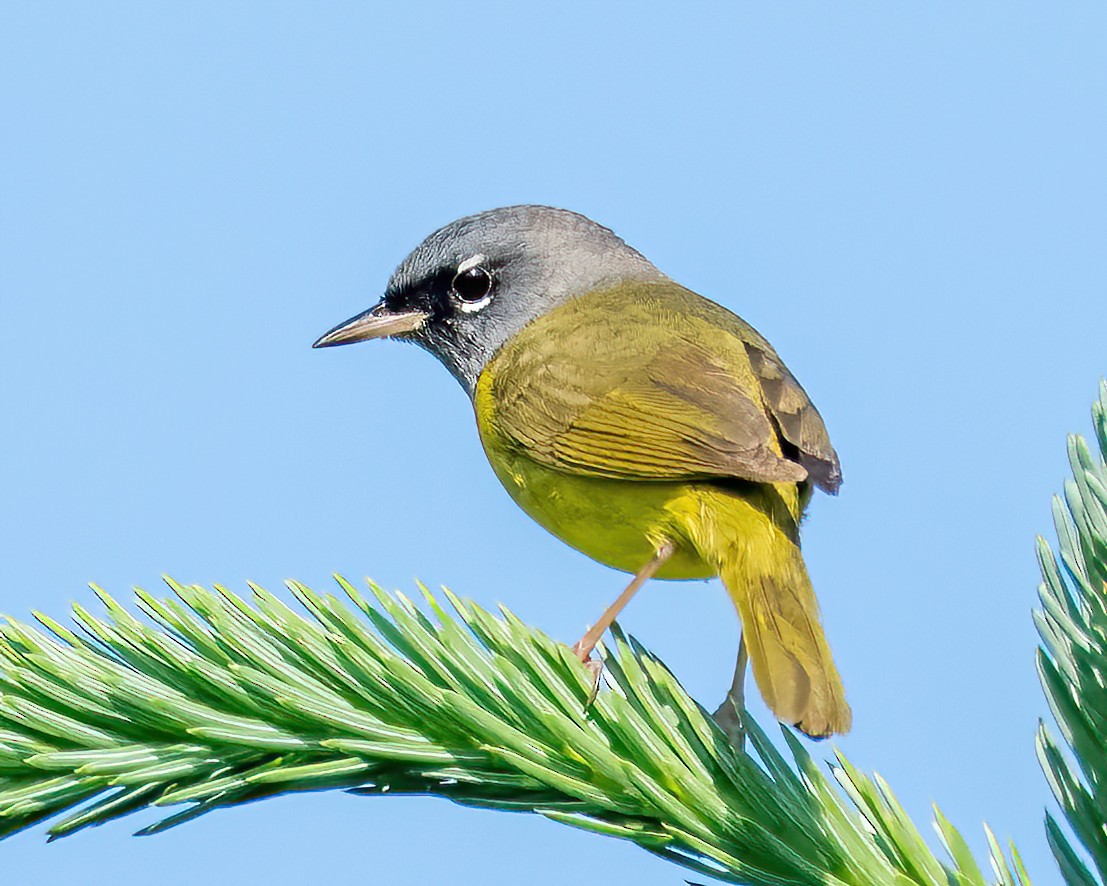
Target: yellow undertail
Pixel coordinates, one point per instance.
(751, 540)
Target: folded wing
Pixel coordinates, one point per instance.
(645, 382)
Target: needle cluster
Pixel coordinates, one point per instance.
(1072, 660)
(203, 700)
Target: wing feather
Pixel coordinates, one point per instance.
(631, 385)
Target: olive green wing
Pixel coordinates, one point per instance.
(795, 416)
(631, 386)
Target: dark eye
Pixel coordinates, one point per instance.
(472, 284)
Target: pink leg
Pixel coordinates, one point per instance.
(587, 643)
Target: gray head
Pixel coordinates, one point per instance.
(470, 286)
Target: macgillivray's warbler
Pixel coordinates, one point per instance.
(639, 422)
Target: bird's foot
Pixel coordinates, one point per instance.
(583, 651)
(731, 720)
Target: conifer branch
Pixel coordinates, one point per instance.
(213, 702)
(1072, 660)
(210, 702)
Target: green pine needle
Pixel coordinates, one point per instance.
(209, 702)
(1072, 661)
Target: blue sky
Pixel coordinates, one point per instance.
(907, 200)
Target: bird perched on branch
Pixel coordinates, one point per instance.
(639, 422)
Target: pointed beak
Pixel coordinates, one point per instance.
(377, 322)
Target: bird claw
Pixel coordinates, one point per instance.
(728, 718)
(595, 669)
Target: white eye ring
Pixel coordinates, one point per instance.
(473, 262)
(471, 307)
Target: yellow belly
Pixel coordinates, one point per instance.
(620, 523)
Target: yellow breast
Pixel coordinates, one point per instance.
(620, 523)
(610, 491)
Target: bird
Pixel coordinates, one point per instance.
(641, 423)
